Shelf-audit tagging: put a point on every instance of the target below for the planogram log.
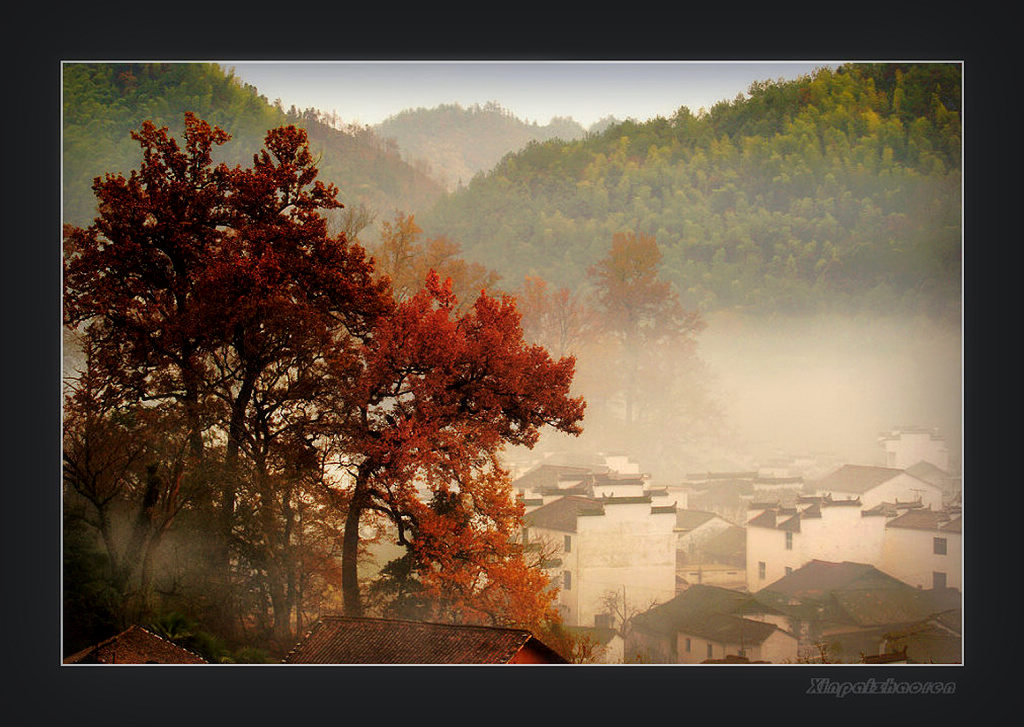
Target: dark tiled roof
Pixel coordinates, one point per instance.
(663, 509)
(813, 510)
(721, 475)
(733, 659)
(779, 480)
(819, 577)
(690, 519)
(696, 604)
(856, 478)
(731, 543)
(918, 520)
(561, 514)
(792, 524)
(765, 520)
(724, 628)
(639, 500)
(344, 640)
(135, 645)
(548, 475)
(878, 607)
(888, 658)
(930, 473)
(953, 526)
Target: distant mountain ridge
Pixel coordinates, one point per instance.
(104, 102)
(458, 143)
(840, 190)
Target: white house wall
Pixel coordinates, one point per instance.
(909, 555)
(841, 533)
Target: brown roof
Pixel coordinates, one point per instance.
(346, 640)
(135, 645)
(856, 478)
(561, 514)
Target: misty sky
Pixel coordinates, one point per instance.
(365, 92)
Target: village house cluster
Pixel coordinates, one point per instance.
(795, 562)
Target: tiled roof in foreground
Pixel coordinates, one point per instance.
(135, 645)
(347, 640)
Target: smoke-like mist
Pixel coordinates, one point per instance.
(797, 386)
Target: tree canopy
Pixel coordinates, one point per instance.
(253, 388)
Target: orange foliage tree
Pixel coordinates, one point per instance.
(439, 395)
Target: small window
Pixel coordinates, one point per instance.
(567, 546)
(938, 580)
(939, 546)
(788, 570)
(567, 580)
(710, 652)
(603, 620)
(687, 646)
(789, 540)
(761, 568)
(526, 536)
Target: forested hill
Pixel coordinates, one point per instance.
(836, 191)
(104, 103)
(458, 142)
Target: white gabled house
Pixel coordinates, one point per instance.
(877, 485)
(923, 548)
(595, 546)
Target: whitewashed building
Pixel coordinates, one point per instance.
(923, 548)
(596, 546)
(782, 539)
(907, 446)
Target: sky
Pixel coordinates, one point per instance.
(368, 92)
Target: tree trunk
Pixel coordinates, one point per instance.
(350, 549)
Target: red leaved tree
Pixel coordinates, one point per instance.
(217, 297)
(440, 394)
(294, 384)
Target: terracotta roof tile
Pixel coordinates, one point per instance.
(135, 645)
(345, 640)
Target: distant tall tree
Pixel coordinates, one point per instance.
(558, 320)
(407, 259)
(637, 308)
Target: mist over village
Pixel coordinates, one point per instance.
(459, 387)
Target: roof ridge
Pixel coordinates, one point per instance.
(343, 617)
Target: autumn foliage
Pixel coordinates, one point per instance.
(278, 392)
